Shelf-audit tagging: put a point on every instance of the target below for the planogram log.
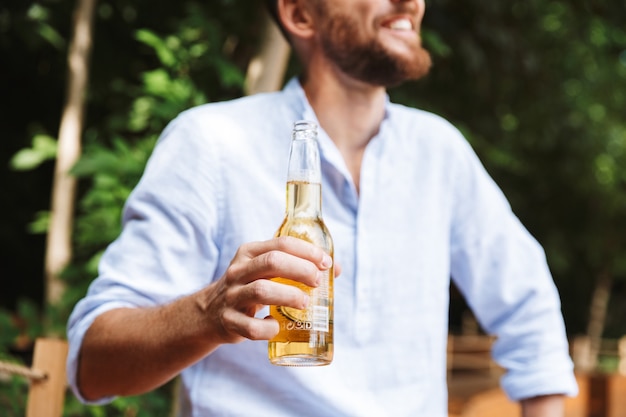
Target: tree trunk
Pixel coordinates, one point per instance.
(266, 70)
(59, 239)
(597, 316)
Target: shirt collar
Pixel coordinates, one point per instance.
(303, 109)
(328, 150)
(294, 87)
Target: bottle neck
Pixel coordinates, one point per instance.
(304, 159)
(304, 200)
(304, 176)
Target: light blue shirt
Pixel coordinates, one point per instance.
(426, 211)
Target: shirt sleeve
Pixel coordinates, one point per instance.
(167, 247)
(502, 272)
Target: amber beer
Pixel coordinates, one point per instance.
(306, 336)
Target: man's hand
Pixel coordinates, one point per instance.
(544, 406)
(232, 302)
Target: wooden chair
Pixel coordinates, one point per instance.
(46, 396)
(48, 382)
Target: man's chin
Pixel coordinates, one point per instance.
(423, 63)
(410, 69)
(381, 65)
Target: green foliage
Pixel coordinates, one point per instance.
(113, 172)
(13, 397)
(8, 332)
(192, 62)
(539, 89)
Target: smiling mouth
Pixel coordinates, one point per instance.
(400, 24)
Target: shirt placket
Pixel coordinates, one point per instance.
(367, 247)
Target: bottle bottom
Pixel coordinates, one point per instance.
(299, 354)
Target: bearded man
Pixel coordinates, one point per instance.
(185, 289)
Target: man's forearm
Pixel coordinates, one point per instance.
(544, 406)
(129, 351)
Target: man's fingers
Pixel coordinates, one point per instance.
(274, 264)
(293, 246)
(251, 328)
(268, 292)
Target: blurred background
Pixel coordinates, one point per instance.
(537, 86)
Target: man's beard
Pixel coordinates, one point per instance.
(370, 62)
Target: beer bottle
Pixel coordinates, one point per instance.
(306, 336)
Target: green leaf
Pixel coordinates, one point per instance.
(40, 224)
(230, 75)
(166, 56)
(43, 148)
(50, 34)
(435, 43)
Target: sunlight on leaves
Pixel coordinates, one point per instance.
(41, 223)
(166, 56)
(605, 169)
(43, 148)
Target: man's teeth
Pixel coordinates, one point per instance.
(402, 24)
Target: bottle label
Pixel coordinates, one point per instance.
(321, 318)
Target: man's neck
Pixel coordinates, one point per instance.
(350, 112)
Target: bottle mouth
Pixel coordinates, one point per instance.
(302, 125)
(304, 129)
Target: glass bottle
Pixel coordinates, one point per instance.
(306, 336)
